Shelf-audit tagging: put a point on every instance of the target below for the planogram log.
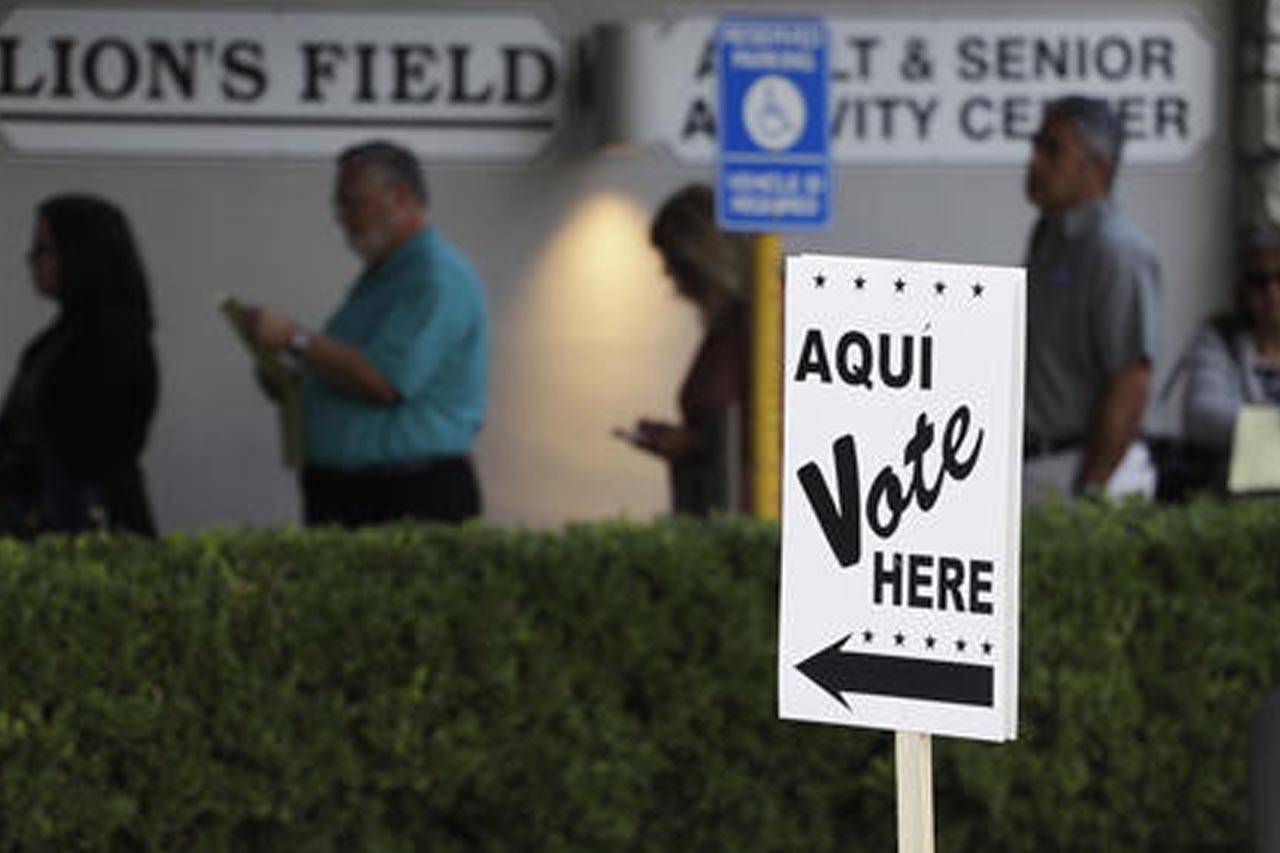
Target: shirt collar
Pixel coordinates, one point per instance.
(1080, 219)
(419, 243)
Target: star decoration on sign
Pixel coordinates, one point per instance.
(859, 282)
(819, 280)
(930, 642)
(899, 285)
(961, 645)
(977, 290)
(986, 648)
(867, 636)
(939, 288)
(899, 639)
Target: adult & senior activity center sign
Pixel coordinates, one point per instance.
(960, 87)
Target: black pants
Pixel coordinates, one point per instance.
(443, 489)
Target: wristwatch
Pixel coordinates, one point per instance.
(298, 344)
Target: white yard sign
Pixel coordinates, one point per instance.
(901, 495)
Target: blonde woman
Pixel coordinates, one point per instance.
(710, 268)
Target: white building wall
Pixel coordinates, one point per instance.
(586, 333)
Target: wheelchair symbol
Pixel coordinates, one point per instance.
(774, 112)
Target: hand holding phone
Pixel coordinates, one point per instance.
(630, 436)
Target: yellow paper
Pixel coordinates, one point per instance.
(1255, 451)
(278, 374)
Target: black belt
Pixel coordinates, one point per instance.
(394, 469)
(1035, 446)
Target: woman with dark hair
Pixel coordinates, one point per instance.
(76, 416)
(1235, 360)
(710, 268)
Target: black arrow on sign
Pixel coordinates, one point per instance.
(837, 672)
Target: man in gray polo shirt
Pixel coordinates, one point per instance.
(1093, 285)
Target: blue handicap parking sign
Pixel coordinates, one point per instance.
(774, 165)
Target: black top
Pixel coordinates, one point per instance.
(79, 410)
(713, 401)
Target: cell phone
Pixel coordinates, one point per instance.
(631, 436)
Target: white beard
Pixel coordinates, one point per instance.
(370, 245)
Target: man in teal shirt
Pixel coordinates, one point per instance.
(393, 389)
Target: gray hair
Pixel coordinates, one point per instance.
(396, 161)
(1099, 127)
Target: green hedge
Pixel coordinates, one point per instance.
(607, 687)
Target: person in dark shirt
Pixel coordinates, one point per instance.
(78, 410)
(707, 450)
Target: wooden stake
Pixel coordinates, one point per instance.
(914, 758)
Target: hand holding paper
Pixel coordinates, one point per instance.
(1255, 451)
(278, 379)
